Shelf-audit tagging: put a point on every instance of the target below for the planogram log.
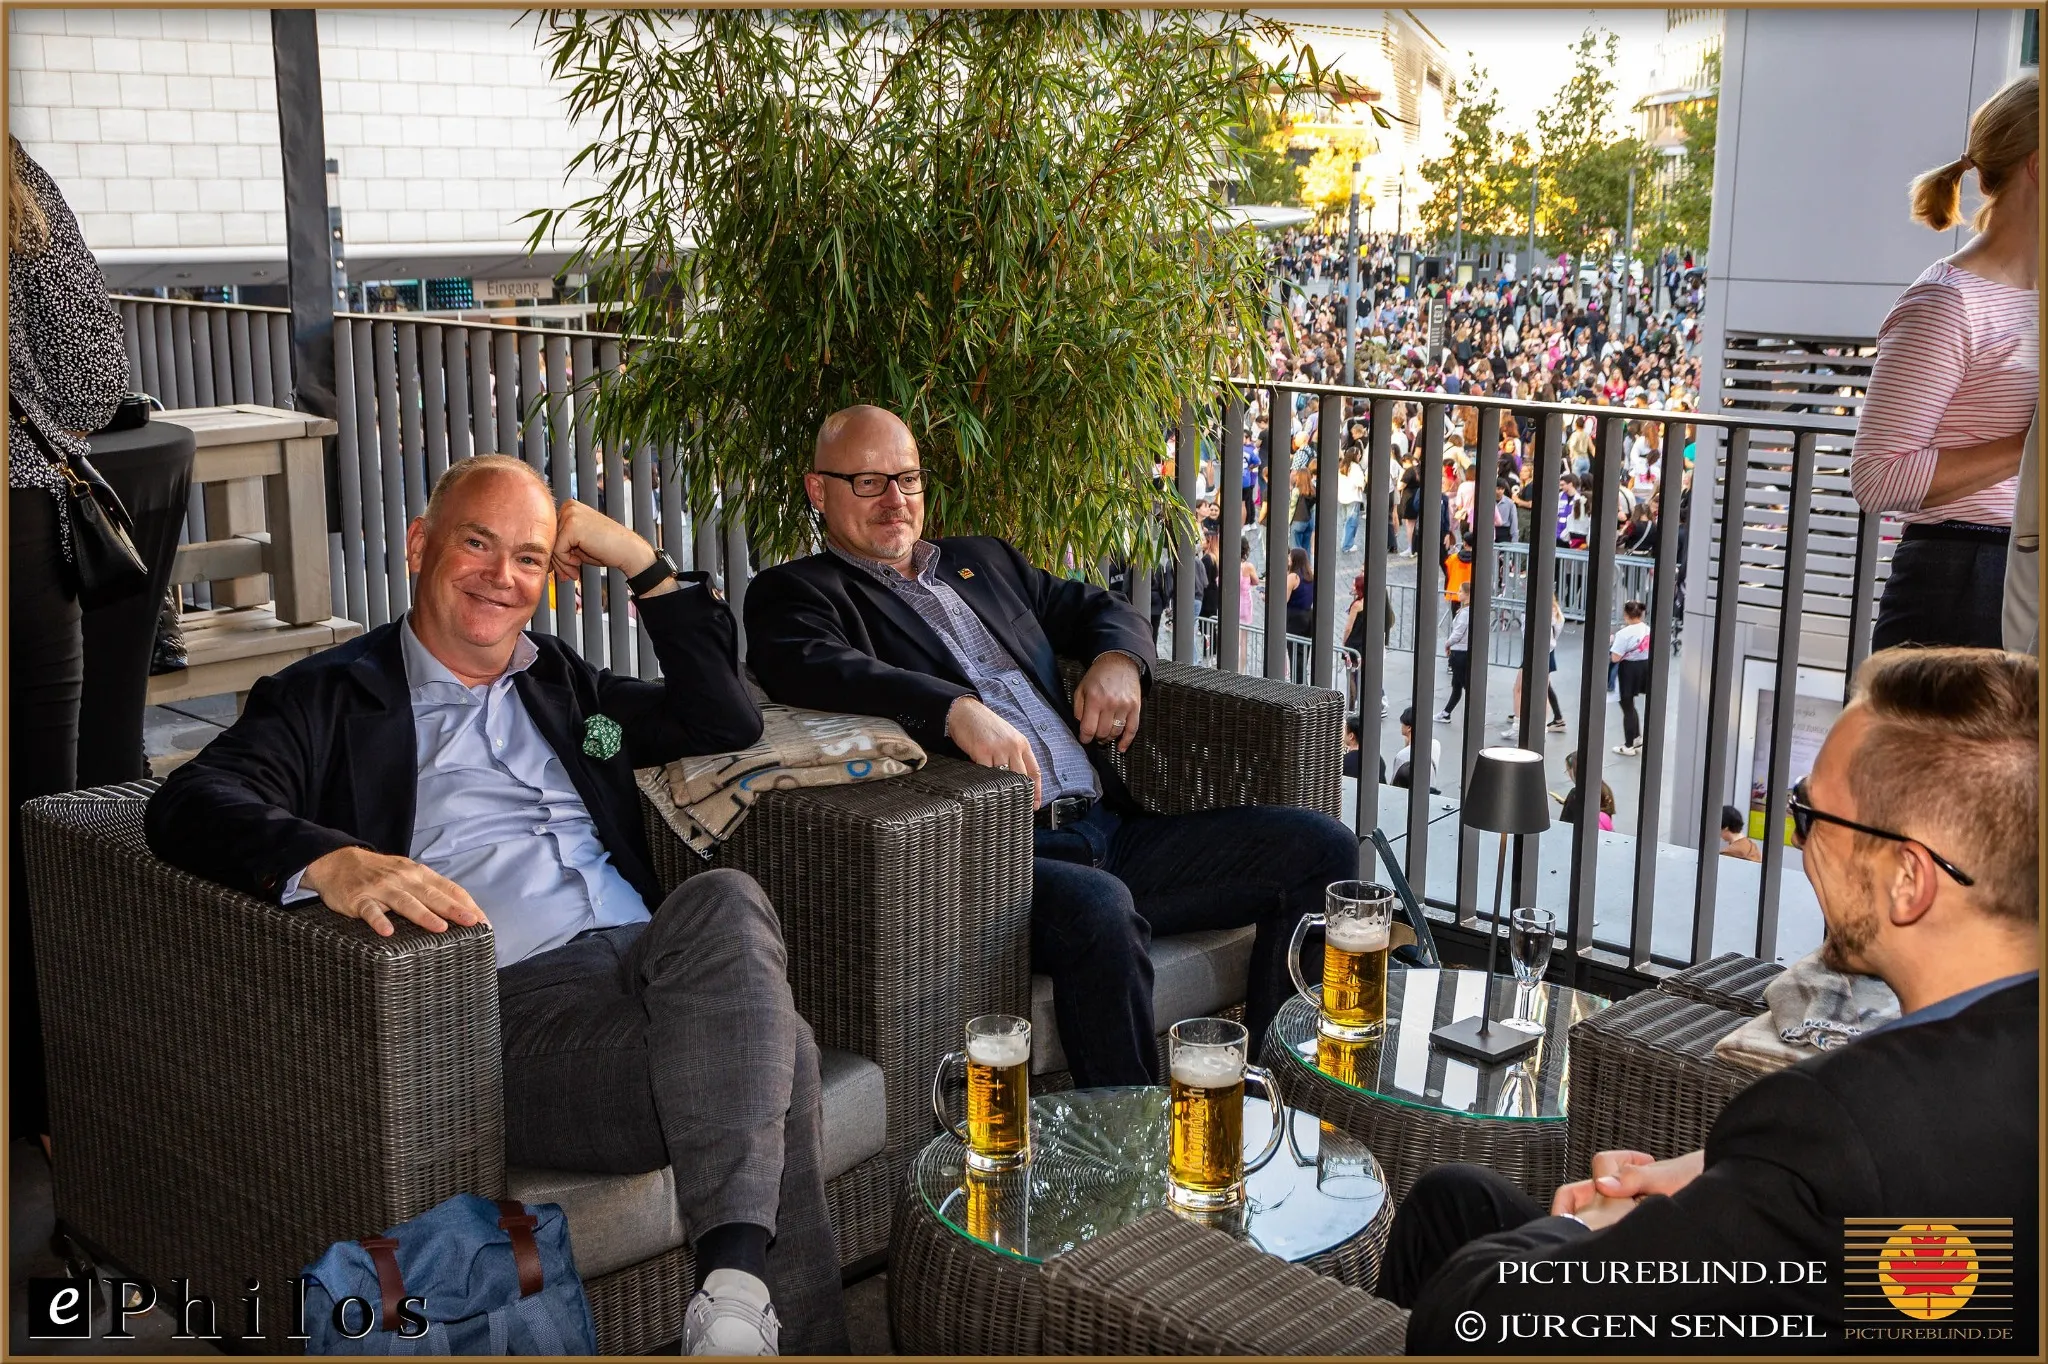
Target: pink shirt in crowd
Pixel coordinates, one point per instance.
(1957, 363)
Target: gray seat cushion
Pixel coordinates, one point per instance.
(619, 1220)
(1194, 975)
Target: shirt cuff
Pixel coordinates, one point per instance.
(293, 892)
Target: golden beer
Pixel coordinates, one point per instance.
(1206, 1156)
(1354, 1002)
(998, 1101)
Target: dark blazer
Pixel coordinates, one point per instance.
(825, 635)
(1933, 1121)
(323, 756)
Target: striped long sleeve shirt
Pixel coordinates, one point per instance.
(1957, 363)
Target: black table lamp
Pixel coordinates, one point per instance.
(1505, 795)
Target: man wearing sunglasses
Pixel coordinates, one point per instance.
(958, 640)
(1919, 825)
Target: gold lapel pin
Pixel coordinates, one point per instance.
(966, 572)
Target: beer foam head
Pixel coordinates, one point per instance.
(1001, 1049)
(1208, 1067)
(1355, 935)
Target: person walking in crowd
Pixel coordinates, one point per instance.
(1954, 388)
(1351, 493)
(1301, 594)
(1458, 651)
(1630, 653)
(67, 370)
(957, 639)
(1938, 1108)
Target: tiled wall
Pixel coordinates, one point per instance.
(161, 125)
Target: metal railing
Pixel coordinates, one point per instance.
(419, 393)
(1771, 457)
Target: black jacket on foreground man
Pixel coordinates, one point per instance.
(1927, 1123)
(822, 633)
(324, 755)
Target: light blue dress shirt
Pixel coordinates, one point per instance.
(1063, 766)
(496, 813)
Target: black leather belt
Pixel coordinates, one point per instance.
(1968, 532)
(1064, 811)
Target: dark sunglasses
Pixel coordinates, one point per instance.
(1804, 816)
(910, 482)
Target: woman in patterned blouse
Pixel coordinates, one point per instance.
(66, 371)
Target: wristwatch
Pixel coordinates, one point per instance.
(654, 575)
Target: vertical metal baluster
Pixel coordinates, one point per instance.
(131, 341)
(201, 334)
(1720, 716)
(241, 372)
(607, 588)
(1607, 463)
(1230, 538)
(1785, 687)
(1187, 575)
(348, 457)
(434, 400)
(1546, 449)
(528, 417)
(1429, 588)
(283, 392)
(219, 348)
(1663, 602)
(391, 460)
(1279, 498)
(1372, 660)
(142, 336)
(455, 376)
(564, 468)
(1863, 601)
(174, 365)
(1322, 653)
(411, 432)
(369, 442)
(1485, 565)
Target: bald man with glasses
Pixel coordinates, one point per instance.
(958, 640)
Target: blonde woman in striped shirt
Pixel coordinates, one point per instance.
(1954, 388)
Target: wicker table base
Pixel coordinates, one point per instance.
(950, 1294)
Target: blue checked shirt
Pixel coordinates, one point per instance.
(1063, 766)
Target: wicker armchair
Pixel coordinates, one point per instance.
(1163, 1286)
(1645, 1078)
(234, 1087)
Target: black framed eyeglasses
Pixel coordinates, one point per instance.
(910, 482)
(1804, 816)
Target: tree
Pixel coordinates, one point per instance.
(1585, 164)
(997, 224)
(1326, 180)
(1489, 163)
(1683, 218)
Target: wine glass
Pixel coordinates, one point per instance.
(1529, 942)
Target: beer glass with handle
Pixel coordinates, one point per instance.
(997, 1059)
(1206, 1061)
(1358, 925)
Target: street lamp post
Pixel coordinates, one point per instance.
(1458, 227)
(1532, 221)
(1628, 253)
(1400, 206)
(1351, 280)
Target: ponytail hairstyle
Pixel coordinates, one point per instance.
(2004, 132)
(28, 231)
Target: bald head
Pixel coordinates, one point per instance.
(867, 440)
(848, 435)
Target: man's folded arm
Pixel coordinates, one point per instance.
(1084, 621)
(799, 651)
(1782, 1150)
(700, 705)
(229, 814)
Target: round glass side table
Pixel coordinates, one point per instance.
(1418, 1107)
(966, 1246)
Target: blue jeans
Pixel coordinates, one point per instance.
(1351, 525)
(1103, 886)
(1301, 534)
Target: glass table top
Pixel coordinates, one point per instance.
(1099, 1162)
(1401, 1066)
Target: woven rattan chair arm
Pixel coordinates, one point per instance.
(1163, 1286)
(995, 882)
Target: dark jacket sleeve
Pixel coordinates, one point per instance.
(700, 705)
(232, 813)
(798, 648)
(1081, 620)
(1782, 1164)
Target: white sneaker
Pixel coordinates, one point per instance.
(1628, 750)
(731, 1315)
(1443, 719)
(1507, 731)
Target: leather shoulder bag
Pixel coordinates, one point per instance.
(104, 565)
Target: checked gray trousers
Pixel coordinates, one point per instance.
(676, 1042)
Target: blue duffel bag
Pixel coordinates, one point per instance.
(467, 1277)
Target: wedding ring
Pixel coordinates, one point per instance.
(1002, 767)
(1118, 726)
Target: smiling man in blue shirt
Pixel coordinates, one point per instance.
(451, 768)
